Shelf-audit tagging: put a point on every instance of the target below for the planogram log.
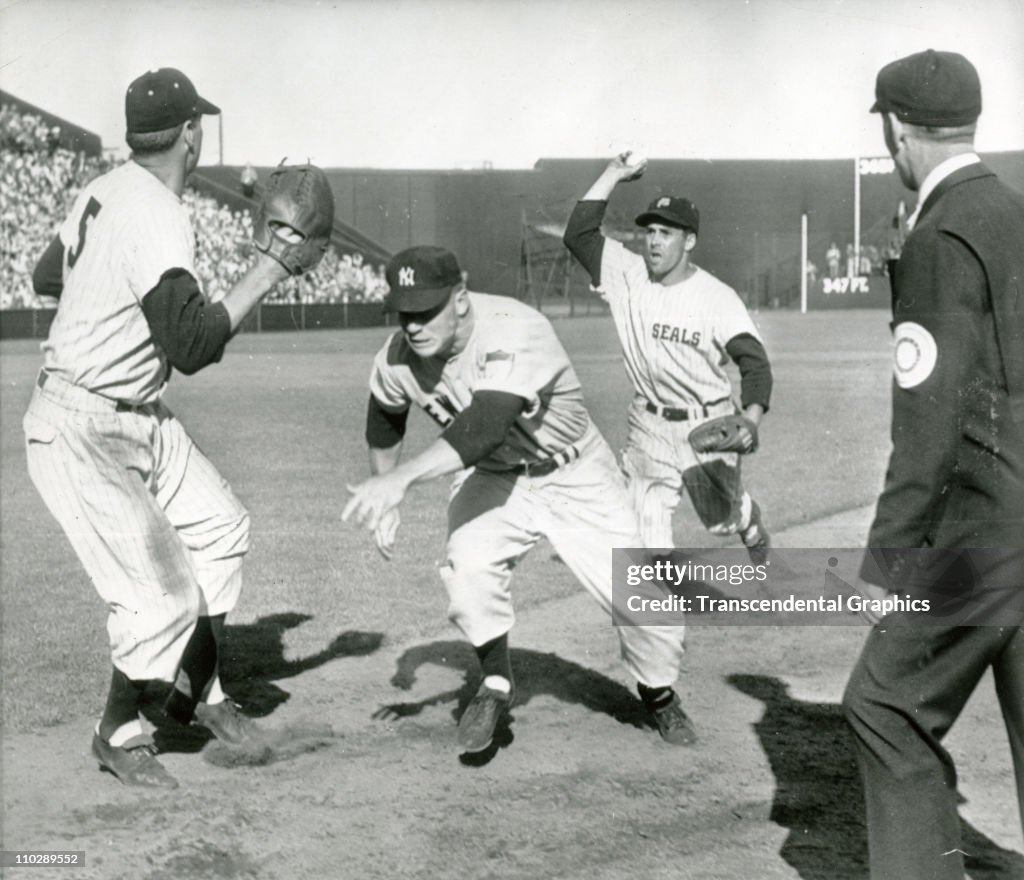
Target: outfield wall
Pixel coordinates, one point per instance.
(858, 292)
(750, 212)
(35, 323)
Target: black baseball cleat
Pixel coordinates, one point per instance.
(756, 538)
(477, 724)
(674, 724)
(226, 722)
(134, 763)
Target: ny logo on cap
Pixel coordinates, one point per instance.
(664, 203)
(407, 276)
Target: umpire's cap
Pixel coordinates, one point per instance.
(161, 99)
(672, 211)
(420, 278)
(929, 88)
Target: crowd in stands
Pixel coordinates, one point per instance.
(38, 181)
(26, 133)
(38, 184)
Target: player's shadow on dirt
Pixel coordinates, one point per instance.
(819, 796)
(536, 674)
(251, 662)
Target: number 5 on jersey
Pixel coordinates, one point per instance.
(91, 210)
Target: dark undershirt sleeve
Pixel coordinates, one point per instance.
(191, 330)
(755, 370)
(48, 276)
(384, 428)
(583, 236)
(483, 425)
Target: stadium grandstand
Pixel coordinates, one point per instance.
(785, 234)
(45, 162)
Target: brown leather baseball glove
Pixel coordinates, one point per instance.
(296, 217)
(732, 433)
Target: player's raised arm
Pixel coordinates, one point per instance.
(583, 232)
(191, 330)
(290, 237)
(290, 234)
(623, 167)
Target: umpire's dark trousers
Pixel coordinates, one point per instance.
(908, 687)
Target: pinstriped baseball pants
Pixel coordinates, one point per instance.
(659, 464)
(158, 530)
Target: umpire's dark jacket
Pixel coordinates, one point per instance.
(956, 475)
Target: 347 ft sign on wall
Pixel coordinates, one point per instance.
(857, 284)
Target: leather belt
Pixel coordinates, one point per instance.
(675, 414)
(546, 466)
(71, 394)
(668, 413)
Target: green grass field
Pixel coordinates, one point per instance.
(282, 417)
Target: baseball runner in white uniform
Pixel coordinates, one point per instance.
(529, 463)
(679, 327)
(157, 529)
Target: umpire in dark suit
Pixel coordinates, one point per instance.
(949, 525)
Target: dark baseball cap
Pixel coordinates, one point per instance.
(929, 88)
(671, 211)
(161, 99)
(420, 278)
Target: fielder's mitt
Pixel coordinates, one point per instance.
(733, 433)
(296, 217)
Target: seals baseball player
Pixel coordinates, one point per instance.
(678, 326)
(158, 530)
(529, 463)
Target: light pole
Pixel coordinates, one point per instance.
(803, 264)
(856, 215)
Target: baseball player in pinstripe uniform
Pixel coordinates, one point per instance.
(157, 529)
(529, 463)
(679, 326)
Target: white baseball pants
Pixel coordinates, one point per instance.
(583, 510)
(158, 530)
(660, 463)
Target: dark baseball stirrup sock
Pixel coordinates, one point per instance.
(655, 698)
(494, 658)
(217, 628)
(122, 704)
(198, 664)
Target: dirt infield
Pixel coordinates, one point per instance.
(577, 785)
(348, 661)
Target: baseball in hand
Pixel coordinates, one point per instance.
(634, 158)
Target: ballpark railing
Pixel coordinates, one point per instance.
(268, 317)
